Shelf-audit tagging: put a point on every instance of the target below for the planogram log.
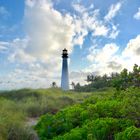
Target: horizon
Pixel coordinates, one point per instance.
(100, 39)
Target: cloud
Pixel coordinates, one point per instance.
(79, 8)
(28, 79)
(3, 46)
(16, 51)
(53, 33)
(49, 31)
(78, 77)
(35, 75)
(114, 65)
(100, 31)
(108, 59)
(137, 15)
(87, 20)
(113, 10)
(4, 12)
(102, 55)
(132, 50)
(114, 32)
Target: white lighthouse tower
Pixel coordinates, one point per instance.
(65, 74)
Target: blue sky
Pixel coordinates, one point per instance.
(101, 37)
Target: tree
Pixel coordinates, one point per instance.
(54, 85)
(127, 79)
(136, 75)
(78, 87)
(73, 85)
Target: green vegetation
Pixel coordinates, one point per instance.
(17, 107)
(111, 115)
(110, 111)
(120, 81)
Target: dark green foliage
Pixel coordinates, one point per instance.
(131, 104)
(130, 133)
(98, 118)
(74, 134)
(127, 79)
(104, 129)
(120, 81)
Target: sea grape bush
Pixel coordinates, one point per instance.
(130, 133)
(112, 118)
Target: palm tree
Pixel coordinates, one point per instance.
(73, 85)
(54, 84)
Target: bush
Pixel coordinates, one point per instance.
(74, 134)
(131, 133)
(104, 129)
(98, 118)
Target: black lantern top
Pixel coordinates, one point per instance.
(65, 53)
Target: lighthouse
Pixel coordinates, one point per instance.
(65, 74)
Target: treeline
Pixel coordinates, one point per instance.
(120, 81)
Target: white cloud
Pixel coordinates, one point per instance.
(88, 21)
(137, 15)
(78, 77)
(114, 32)
(35, 75)
(16, 51)
(113, 10)
(104, 60)
(103, 55)
(108, 59)
(133, 47)
(79, 8)
(53, 33)
(3, 46)
(49, 32)
(132, 50)
(4, 12)
(100, 31)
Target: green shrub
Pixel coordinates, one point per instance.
(99, 129)
(97, 118)
(74, 134)
(131, 133)
(104, 129)
(110, 108)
